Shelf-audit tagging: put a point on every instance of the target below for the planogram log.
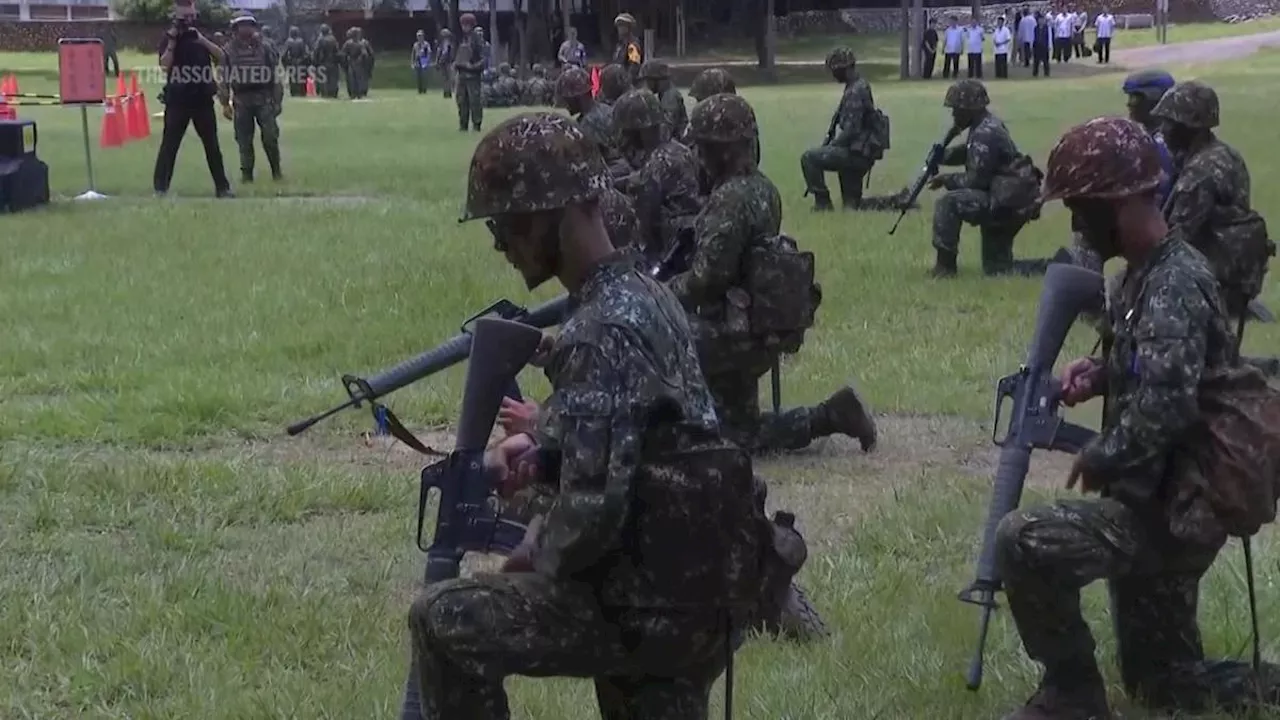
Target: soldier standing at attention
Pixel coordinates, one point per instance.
(325, 55)
(628, 52)
(251, 84)
(296, 60)
(445, 53)
(628, 397)
(657, 76)
(856, 140)
(1171, 332)
(664, 186)
(997, 190)
(420, 59)
(539, 91)
(468, 65)
(742, 214)
(573, 88)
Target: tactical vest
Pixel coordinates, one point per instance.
(249, 68)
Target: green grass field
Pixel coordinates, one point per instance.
(166, 552)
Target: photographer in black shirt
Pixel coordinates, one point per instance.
(187, 58)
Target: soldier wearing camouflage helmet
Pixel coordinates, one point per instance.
(446, 51)
(537, 91)
(614, 81)
(357, 58)
(627, 52)
(857, 138)
(468, 66)
(296, 58)
(631, 574)
(1171, 333)
(664, 184)
(997, 190)
(573, 91)
(657, 77)
(251, 94)
(712, 81)
(325, 55)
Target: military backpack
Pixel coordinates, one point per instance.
(1239, 250)
(877, 134)
(784, 296)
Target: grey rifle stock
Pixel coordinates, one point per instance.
(1033, 425)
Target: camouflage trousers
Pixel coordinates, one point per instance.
(327, 83)
(737, 400)
(446, 78)
(1046, 554)
(467, 93)
(850, 169)
(357, 83)
(251, 113)
(470, 634)
(957, 207)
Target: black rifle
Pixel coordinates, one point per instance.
(932, 161)
(466, 518)
(1034, 425)
(457, 348)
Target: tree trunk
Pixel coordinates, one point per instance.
(496, 57)
(452, 8)
(976, 9)
(439, 16)
(566, 17)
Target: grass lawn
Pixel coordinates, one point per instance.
(166, 552)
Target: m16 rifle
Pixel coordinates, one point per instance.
(457, 348)
(932, 161)
(1033, 425)
(467, 519)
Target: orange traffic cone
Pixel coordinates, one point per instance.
(595, 80)
(120, 93)
(7, 111)
(10, 85)
(311, 85)
(138, 103)
(112, 134)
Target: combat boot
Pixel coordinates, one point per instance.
(944, 266)
(276, 173)
(799, 620)
(477, 127)
(822, 202)
(845, 413)
(246, 177)
(1067, 696)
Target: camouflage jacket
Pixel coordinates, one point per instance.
(597, 124)
(250, 72)
(326, 51)
(622, 370)
(352, 55)
(855, 104)
(741, 210)
(673, 105)
(987, 151)
(619, 219)
(295, 53)
(469, 58)
(1213, 186)
(665, 194)
(1170, 328)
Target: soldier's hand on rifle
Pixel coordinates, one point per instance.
(514, 459)
(936, 182)
(521, 558)
(1081, 381)
(543, 353)
(517, 417)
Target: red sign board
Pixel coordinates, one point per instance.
(82, 79)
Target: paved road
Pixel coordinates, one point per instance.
(1200, 51)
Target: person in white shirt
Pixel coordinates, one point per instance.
(1027, 36)
(1062, 37)
(1106, 24)
(1079, 20)
(952, 46)
(973, 37)
(1003, 41)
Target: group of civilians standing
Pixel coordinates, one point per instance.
(1031, 39)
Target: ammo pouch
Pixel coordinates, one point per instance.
(783, 296)
(1017, 186)
(1238, 252)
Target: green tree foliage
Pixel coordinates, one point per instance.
(213, 13)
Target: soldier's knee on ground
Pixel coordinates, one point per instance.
(443, 613)
(1011, 546)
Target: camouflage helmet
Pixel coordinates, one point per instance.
(1150, 84)
(1107, 158)
(244, 16)
(1192, 104)
(712, 81)
(537, 69)
(573, 82)
(533, 162)
(723, 118)
(655, 70)
(637, 110)
(840, 58)
(503, 68)
(967, 94)
(466, 19)
(294, 31)
(324, 30)
(614, 80)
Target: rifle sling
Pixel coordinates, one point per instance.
(401, 433)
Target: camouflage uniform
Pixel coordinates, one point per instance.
(468, 65)
(296, 58)
(573, 89)
(620, 219)
(538, 91)
(627, 52)
(849, 153)
(712, 81)
(1170, 330)
(445, 53)
(326, 57)
(614, 81)
(251, 84)
(989, 156)
(657, 76)
(357, 58)
(664, 187)
(744, 209)
(506, 90)
(626, 392)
